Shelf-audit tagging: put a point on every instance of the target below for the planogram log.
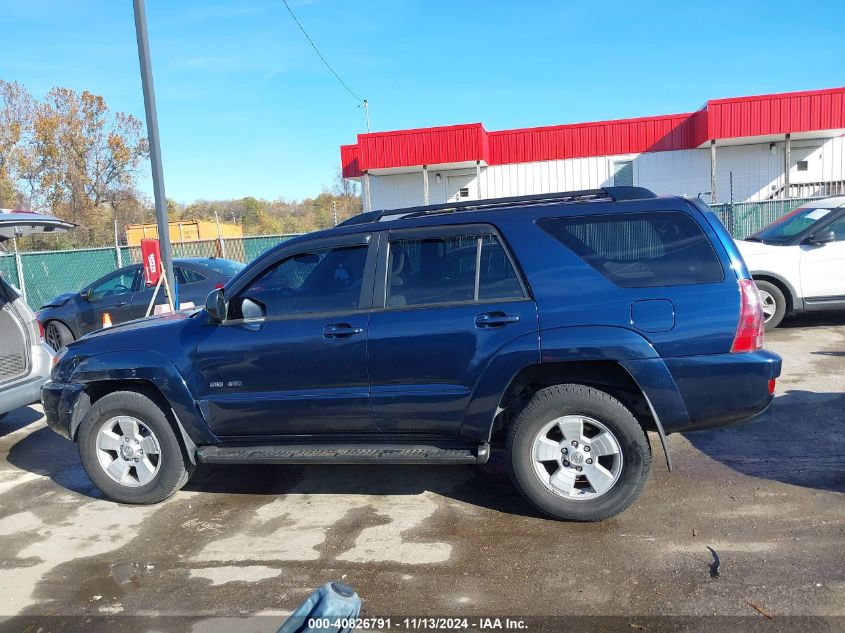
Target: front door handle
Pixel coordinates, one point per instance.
(341, 330)
(495, 319)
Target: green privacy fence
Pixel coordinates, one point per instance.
(47, 274)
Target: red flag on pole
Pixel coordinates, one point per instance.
(151, 258)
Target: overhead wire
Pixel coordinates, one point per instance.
(320, 55)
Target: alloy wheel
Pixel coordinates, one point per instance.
(769, 305)
(577, 457)
(53, 337)
(128, 451)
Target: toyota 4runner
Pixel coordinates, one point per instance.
(561, 327)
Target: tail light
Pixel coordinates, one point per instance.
(749, 332)
(40, 329)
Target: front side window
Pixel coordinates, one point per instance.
(449, 269)
(326, 280)
(119, 284)
(639, 250)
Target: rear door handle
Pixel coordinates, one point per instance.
(495, 319)
(341, 330)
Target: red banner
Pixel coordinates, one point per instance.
(151, 258)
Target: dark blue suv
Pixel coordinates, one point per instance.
(560, 327)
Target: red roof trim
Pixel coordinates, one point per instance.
(658, 117)
(424, 130)
(760, 115)
(780, 95)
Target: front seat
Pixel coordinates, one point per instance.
(396, 291)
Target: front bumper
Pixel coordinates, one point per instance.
(60, 407)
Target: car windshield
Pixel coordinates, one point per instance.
(224, 266)
(790, 225)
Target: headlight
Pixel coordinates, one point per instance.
(61, 368)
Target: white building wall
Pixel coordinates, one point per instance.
(757, 174)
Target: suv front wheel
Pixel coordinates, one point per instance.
(774, 303)
(578, 454)
(129, 450)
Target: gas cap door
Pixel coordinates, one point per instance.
(653, 315)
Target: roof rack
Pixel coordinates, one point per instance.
(612, 194)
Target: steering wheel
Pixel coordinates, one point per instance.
(119, 289)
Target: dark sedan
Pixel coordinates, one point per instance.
(124, 296)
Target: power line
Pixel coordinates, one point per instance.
(317, 50)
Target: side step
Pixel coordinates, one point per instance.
(342, 454)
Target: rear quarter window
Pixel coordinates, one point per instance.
(640, 250)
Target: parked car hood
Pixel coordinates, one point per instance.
(18, 223)
(58, 301)
(749, 249)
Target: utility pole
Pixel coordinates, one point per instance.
(155, 147)
(713, 172)
(334, 210)
(117, 255)
(787, 159)
(220, 236)
(366, 107)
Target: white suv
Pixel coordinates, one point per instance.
(25, 359)
(798, 261)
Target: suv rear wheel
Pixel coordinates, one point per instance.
(578, 454)
(129, 449)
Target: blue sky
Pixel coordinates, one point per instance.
(246, 107)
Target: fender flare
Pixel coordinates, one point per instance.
(633, 352)
(148, 367)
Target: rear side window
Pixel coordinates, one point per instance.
(186, 275)
(453, 269)
(640, 250)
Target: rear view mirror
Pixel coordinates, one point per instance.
(822, 237)
(215, 305)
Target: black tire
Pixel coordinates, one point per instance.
(553, 402)
(174, 468)
(58, 334)
(769, 290)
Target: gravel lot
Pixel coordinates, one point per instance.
(238, 541)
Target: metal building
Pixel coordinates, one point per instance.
(740, 149)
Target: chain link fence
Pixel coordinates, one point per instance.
(47, 274)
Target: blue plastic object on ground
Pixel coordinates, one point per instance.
(327, 610)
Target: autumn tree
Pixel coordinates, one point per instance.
(71, 156)
(16, 106)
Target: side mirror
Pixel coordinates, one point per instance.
(822, 237)
(215, 305)
(85, 294)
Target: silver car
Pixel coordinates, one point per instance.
(25, 359)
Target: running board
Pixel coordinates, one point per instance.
(342, 454)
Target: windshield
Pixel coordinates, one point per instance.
(790, 225)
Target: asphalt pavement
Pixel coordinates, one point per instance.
(246, 541)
